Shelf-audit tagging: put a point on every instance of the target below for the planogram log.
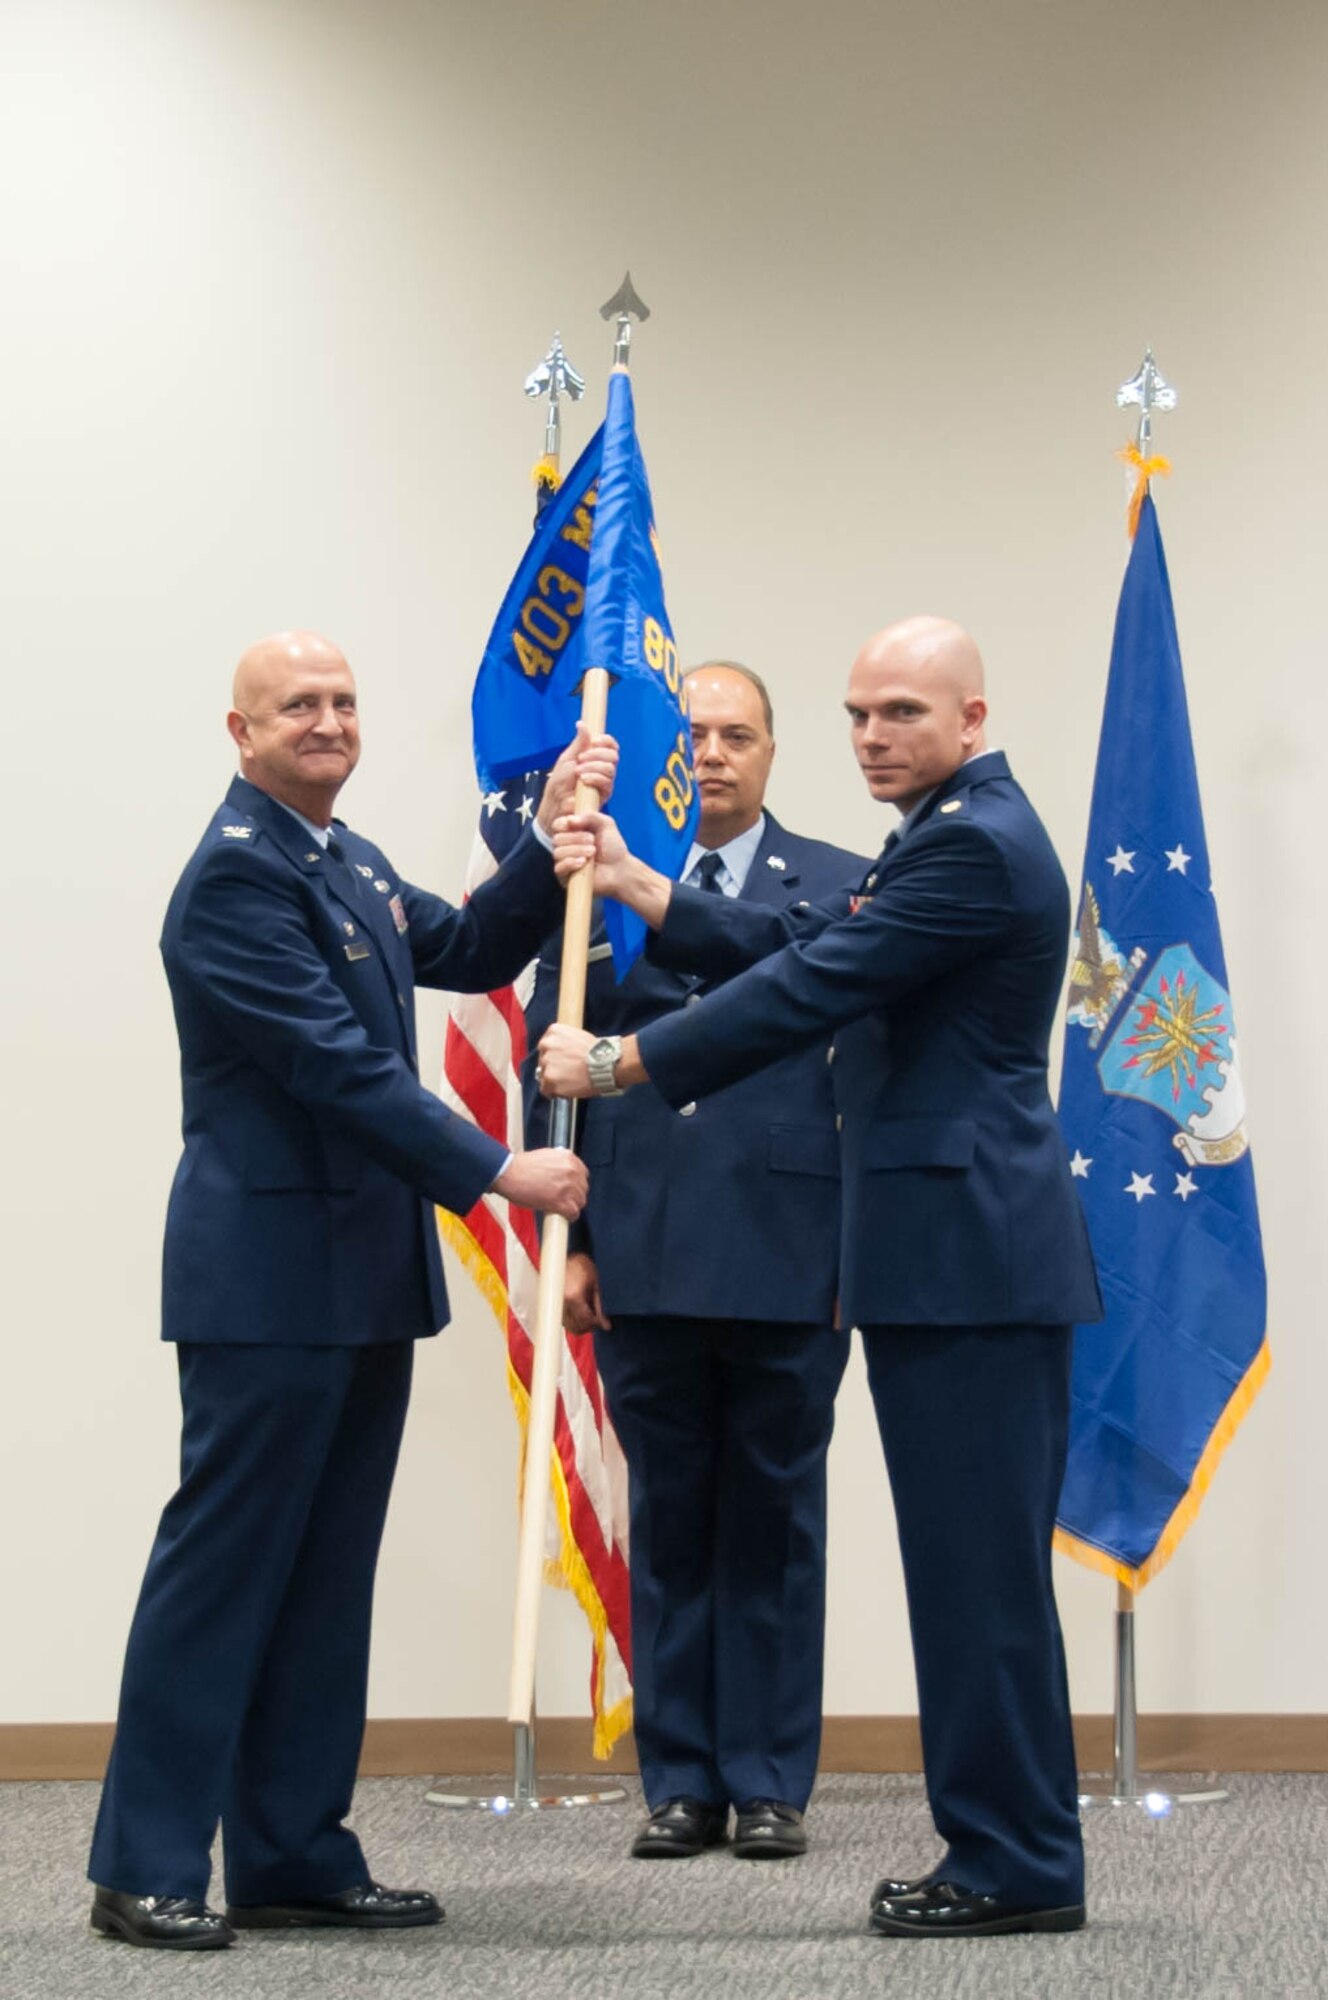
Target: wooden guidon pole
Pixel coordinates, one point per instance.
(553, 1268)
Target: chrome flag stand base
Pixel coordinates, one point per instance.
(523, 1796)
(1158, 1805)
(1125, 1789)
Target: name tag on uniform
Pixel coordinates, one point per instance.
(357, 950)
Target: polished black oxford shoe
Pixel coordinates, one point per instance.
(680, 1828)
(170, 1923)
(367, 1907)
(768, 1830)
(944, 1909)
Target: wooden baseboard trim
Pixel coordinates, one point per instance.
(1166, 1743)
(481, 1746)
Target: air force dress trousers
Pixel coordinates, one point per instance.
(301, 1262)
(965, 1261)
(715, 1231)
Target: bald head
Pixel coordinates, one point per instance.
(269, 660)
(916, 707)
(295, 722)
(935, 649)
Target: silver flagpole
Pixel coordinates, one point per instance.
(554, 378)
(624, 307)
(1148, 390)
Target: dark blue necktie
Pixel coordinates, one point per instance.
(707, 874)
(345, 875)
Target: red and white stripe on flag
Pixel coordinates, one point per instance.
(499, 1247)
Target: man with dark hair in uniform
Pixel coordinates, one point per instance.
(706, 1263)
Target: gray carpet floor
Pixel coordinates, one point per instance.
(1229, 1902)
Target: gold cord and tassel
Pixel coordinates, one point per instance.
(545, 473)
(1144, 470)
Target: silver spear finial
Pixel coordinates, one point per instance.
(555, 377)
(624, 306)
(1149, 388)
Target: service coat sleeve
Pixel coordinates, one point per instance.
(244, 946)
(720, 935)
(495, 933)
(944, 899)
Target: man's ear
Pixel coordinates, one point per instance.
(238, 726)
(975, 714)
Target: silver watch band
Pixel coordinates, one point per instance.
(601, 1061)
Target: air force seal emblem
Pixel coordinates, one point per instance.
(1168, 1036)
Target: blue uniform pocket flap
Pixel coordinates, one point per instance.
(919, 1142)
(803, 1149)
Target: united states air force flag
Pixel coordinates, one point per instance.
(1154, 1118)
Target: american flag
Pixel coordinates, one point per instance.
(499, 1246)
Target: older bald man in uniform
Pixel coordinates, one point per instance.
(301, 1265)
(965, 1255)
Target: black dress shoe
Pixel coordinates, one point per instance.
(171, 1923)
(767, 1829)
(680, 1828)
(943, 1909)
(367, 1907)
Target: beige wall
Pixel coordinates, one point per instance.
(274, 274)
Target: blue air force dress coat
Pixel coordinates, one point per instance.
(965, 1261)
(302, 1210)
(715, 1232)
(301, 1263)
(731, 1209)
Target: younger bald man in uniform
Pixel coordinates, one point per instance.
(965, 1255)
(301, 1265)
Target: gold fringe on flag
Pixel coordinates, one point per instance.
(1183, 1518)
(545, 473)
(1144, 470)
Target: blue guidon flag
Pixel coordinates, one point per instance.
(589, 593)
(627, 630)
(526, 702)
(1153, 1113)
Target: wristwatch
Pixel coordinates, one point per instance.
(601, 1061)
